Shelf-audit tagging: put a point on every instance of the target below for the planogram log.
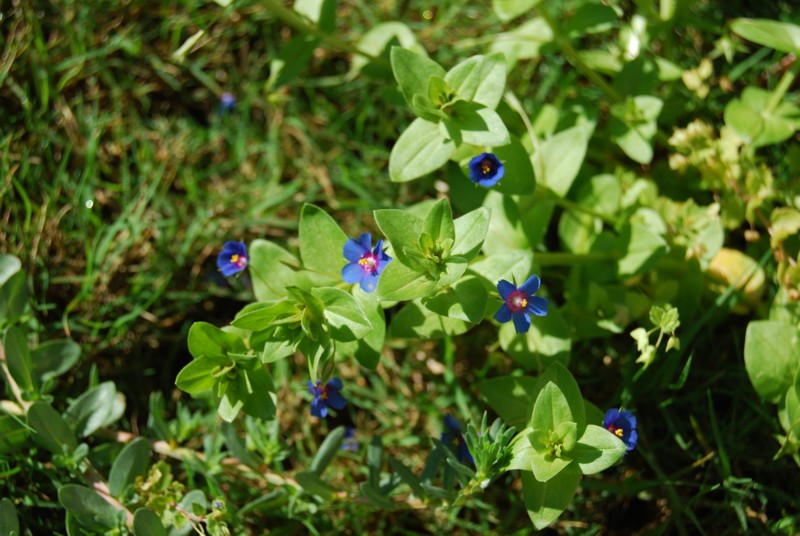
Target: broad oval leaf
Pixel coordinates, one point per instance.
(89, 508)
(771, 357)
(132, 461)
(52, 431)
(419, 150)
(321, 242)
(783, 36)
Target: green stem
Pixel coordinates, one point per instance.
(298, 23)
(573, 58)
(783, 86)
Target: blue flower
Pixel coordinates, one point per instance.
(227, 101)
(520, 303)
(350, 442)
(486, 169)
(622, 423)
(365, 265)
(233, 258)
(453, 439)
(326, 395)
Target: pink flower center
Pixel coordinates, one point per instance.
(239, 260)
(486, 166)
(369, 263)
(517, 301)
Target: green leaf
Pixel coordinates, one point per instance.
(232, 398)
(641, 248)
(513, 265)
(321, 242)
(400, 283)
(412, 72)
(13, 298)
(473, 124)
(521, 452)
(89, 508)
(196, 377)
(466, 300)
(269, 269)
(53, 358)
(547, 341)
(9, 523)
(439, 222)
(417, 322)
(545, 501)
(260, 399)
(550, 409)
(510, 9)
(505, 231)
(345, 318)
(320, 12)
(470, 231)
(633, 125)
(260, 315)
(420, 149)
(519, 178)
(523, 42)
(559, 376)
(13, 434)
(782, 36)
(132, 461)
(207, 340)
(52, 431)
(378, 41)
(9, 265)
(407, 476)
(18, 358)
(771, 357)
(559, 159)
(402, 229)
(511, 397)
(454, 269)
(147, 523)
(597, 449)
(753, 118)
(328, 450)
(313, 484)
(367, 350)
(97, 407)
(480, 79)
(545, 467)
(291, 60)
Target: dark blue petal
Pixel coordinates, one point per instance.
(611, 417)
(335, 383)
(503, 314)
(629, 417)
(351, 273)
(368, 282)
(451, 423)
(365, 240)
(505, 289)
(353, 251)
(632, 440)
(228, 269)
(522, 322)
(530, 286)
(311, 388)
(318, 408)
(335, 400)
(537, 305)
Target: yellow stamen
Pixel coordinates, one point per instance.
(486, 167)
(619, 432)
(523, 302)
(363, 262)
(234, 258)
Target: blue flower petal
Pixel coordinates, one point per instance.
(351, 273)
(335, 400)
(522, 322)
(335, 383)
(318, 408)
(611, 417)
(632, 440)
(365, 241)
(503, 314)
(451, 423)
(353, 251)
(505, 289)
(538, 306)
(368, 282)
(530, 286)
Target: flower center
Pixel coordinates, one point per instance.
(619, 432)
(517, 301)
(239, 260)
(369, 263)
(486, 166)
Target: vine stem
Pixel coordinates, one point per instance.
(783, 86)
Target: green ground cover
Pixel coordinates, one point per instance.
(123, 175)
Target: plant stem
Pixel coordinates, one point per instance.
(573, 58)
(783, 86)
